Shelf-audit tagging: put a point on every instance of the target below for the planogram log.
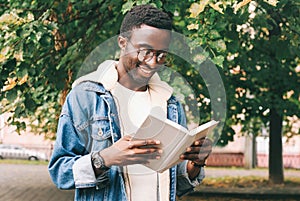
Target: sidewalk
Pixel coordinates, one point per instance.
(20, 182)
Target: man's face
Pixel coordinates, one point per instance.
(135, 69)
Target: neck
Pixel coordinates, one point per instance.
(132, 86)
(127, 81)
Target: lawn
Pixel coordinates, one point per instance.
(247, 182)
(29, 162)
(244, 188)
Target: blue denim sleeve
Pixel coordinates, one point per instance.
(70, 165)
(68, 148)
(70, 144)
(184, 184)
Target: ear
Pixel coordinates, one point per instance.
(122, 42)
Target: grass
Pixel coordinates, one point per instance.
(247, 182)
(244, 184)
(27, 162)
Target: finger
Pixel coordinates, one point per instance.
(151, 156)
(202, 142)
(139, 143)
(198, 149)
(194, 157)
(197, 143)
(143, 157)
(147, 150)
(150, 146)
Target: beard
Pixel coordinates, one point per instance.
(135, 74)
(137, 78)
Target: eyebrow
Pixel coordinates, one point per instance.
(150, 47)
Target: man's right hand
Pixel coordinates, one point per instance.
(127, 151)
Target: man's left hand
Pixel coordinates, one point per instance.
(198, 151)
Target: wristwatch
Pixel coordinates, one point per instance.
(98, 161)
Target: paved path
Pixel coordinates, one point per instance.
(19, 182)
(29, 183)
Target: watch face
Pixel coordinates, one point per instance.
(98, 162)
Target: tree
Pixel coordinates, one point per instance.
(268, 81)
(43, 45)
(257, 44)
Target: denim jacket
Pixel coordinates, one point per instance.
(89, 122)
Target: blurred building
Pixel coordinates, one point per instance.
(243, 152)
(27, 139)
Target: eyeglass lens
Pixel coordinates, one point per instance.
(147, 55)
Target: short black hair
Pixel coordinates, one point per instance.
(145, 14)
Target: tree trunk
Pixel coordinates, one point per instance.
(254, 152)
(275, 148)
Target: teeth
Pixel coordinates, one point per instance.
(145, 71)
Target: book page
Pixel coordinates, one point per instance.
(195, 134)
(167, 132)
(174, 139)
(202, 130)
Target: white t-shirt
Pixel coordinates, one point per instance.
(141, 182)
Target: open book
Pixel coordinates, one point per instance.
(174, 139)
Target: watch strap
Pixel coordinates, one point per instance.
(98, 161)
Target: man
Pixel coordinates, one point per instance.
(94, 151)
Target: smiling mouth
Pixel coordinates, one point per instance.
(146, 70)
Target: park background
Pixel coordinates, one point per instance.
(253, 44)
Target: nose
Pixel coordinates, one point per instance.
(152, 63)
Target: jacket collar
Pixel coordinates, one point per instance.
(107, 75)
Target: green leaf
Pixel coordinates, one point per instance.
(218, 60)
(18, 111)
(11, 95)
(219, 45)
(30, 104)
(46, 40)
(21, 72)
(23, 32)
(214, 34)
(127, 6)
(10, 64)
(158, 3)
(142, 2)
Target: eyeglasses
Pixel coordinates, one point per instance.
(147, 54)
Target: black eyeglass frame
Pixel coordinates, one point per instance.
(148, 54)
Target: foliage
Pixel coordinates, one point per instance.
(247, 39)
(254, 44)
(264, 66)
(42, 46)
